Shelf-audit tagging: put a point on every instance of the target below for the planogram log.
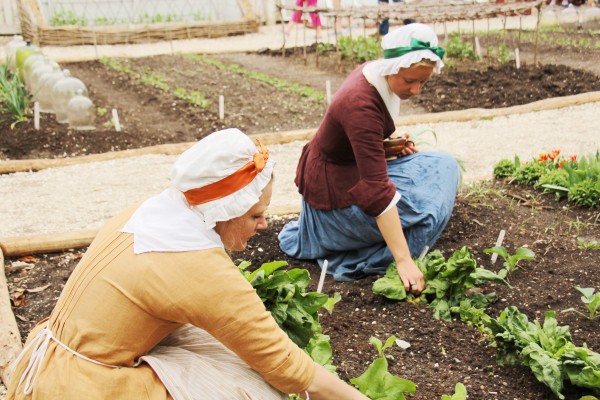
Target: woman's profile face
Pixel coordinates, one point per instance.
(409, 81)
(236, 232)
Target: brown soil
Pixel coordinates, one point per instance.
(441, 354)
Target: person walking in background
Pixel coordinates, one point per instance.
(365, 206)
(384, 25)
(156, 309)
(297, 15)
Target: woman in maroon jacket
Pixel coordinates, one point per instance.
(362, 210)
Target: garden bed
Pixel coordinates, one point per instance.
(441, 353)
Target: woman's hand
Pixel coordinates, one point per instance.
(399, 146)
(411, 276)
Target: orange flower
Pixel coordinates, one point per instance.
(573, 157)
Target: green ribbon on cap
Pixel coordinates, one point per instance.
(415, 44)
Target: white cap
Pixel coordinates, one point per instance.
(402, 37)
(213, 158)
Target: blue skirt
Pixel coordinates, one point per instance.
(350, 239)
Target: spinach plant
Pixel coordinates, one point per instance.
(547, 349)
(377, 382)
(284, 295)
(592, 302)
(451, 284)
(460, 393)
(510, 261)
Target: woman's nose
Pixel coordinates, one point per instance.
(415, 89)
(262, 223)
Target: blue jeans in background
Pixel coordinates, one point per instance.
(384, 26)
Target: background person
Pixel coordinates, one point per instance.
(156, 309)
(360, 211)
(384, 25)
(296, 17)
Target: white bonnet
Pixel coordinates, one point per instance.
(213, 158)
(402, 37)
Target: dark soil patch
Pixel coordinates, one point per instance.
(441, 354)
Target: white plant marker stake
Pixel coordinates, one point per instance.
(322, 277)
(477, 46)
(498, 243)
(115, 117)
(221, 107)
(36, 116)
(423, 253)
(517, 59)
(328, 91)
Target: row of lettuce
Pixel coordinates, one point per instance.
(454, 291)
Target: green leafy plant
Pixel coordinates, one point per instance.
(277, 83)
(451, 284)
(591, 301)
(193, 97)
(101, 111)
(529, 173)
(15, 100)
(510, 261)
(505, 168)
(66, 17)
(460, 393)
(551, 179)
(588, 244)
(377, 382)
(547, 349)
(585, 193)
(456, 48)
(360, 49)
(284, 295)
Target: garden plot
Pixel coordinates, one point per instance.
(442, 353)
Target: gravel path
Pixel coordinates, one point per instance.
(82, 197)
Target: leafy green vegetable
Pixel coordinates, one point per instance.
(591, 301)
(460, 393)
(547, 349)
(296, 311)
(377, 382)
(511, 261)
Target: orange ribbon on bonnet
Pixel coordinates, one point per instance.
(232, 183)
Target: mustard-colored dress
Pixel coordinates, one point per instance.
(118, 306)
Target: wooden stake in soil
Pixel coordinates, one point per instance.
(477, 47)
(328, 91)
(322, 277)
(221, 107)
(498, 243)
(115, 117)
(36, 116)
(423, 253)
(517, 59)
(10, 338)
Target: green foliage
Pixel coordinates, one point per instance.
(591, 301)
(101, 111)
(585, 193)
(377, 382)
(456, 48)
(500, 53)
(505, 168)
(284, 295)
(15, 100)
(546, 349)
(529, 173)
(510, 261)
(551, 179)
(576, 179)
(277, 83)
(451, 285)
(360, 49)
(192, 96)
(460, 393)
(66, 17)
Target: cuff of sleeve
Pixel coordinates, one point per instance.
(393, 203)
